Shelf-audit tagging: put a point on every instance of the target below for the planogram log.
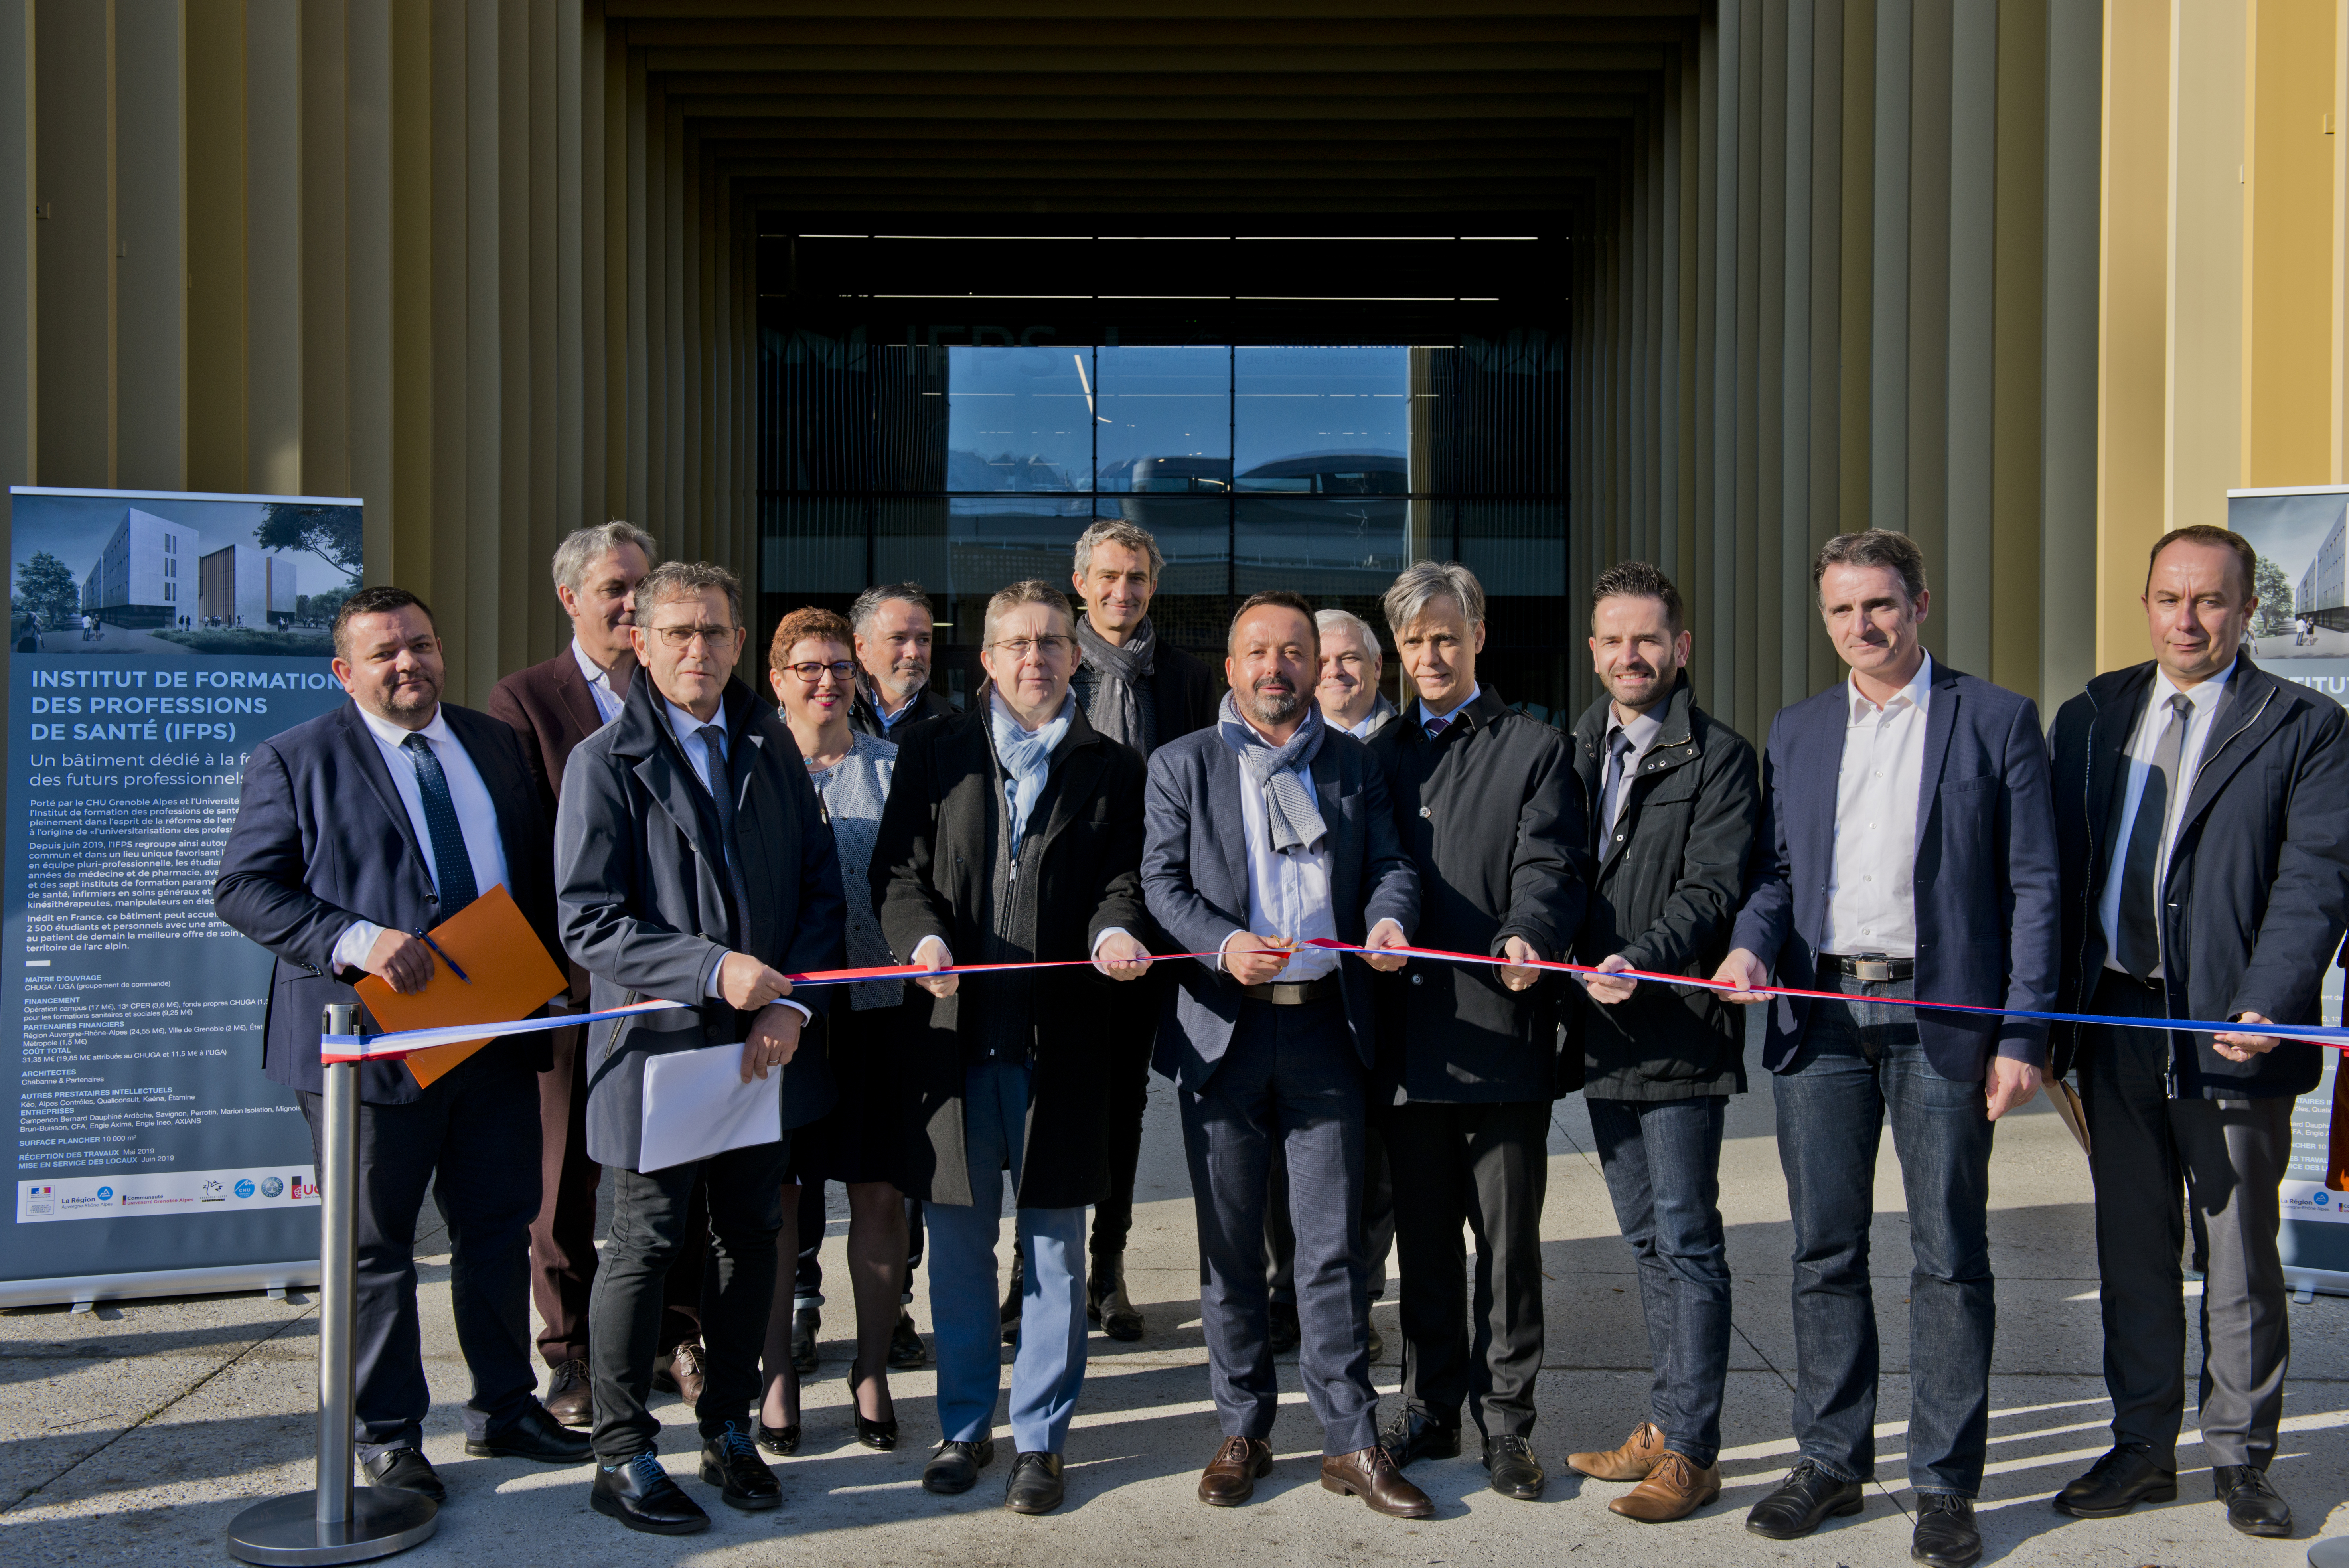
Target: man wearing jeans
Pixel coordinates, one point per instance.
(1908, 852)
(1674, 797)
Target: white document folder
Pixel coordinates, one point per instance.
(697, 1105)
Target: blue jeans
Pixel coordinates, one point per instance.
(1050, 1368)
(1662, 1160)
(1859, 1066)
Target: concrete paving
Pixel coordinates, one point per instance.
(137, 1433)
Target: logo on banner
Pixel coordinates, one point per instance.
(270, 1187)
(214, 1193)
(40, 1201)
(244, 1186)
(105, 1195)
(298, 1190)
(2321, 1198)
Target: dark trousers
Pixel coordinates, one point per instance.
(1290, 1077)
(1860, 1066)
(1129, 1102)
(2154, 1158)
(1488, 1166)
(1378, 1221)
(1662, 1160)
(562, 1234)
(471, 1138)
(652, 1216)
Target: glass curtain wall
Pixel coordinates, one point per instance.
(1324, 469)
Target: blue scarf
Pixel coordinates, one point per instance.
(1026, 755)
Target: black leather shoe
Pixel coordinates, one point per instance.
(780, 1441)
(1516, 1472)
(1945, 1535)
(1035, 1484)
(404, 1470)
(805, 1322)
(569, 1399)
(2124, 1478)
(1283, 1332)
(533, 1435)
(955, 1467)
(1805, 1499)
(1417, 1436)
(730, 1463)
(2252, 1505)
(881, 1434)
(639, 1494)
(906, 1350)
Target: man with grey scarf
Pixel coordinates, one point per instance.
(1264, 835)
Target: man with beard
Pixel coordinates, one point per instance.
(1264, 833)
(894, 633)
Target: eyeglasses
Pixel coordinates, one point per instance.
(1019, 648)
(683, 637)
(843, 671)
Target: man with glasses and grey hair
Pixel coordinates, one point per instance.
(552, 707)
(894, 630)
(1353, 665)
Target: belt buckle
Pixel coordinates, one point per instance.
(1871, 969)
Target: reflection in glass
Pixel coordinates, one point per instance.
(815, 544)
(1018, 419)
(1321, 546)
(1165, 419)
(1323, 421)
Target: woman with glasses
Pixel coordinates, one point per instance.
(862, 1144)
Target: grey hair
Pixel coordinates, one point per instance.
(583, 547)
(1331, 620)
(868, 604)
(1117, 531)
(683, 579)
(1423, 582)
(1033, 591)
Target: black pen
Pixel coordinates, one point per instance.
(444, 957)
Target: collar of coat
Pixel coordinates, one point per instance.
(1485, 710)
(643, 729)
(1676, 742)
(2255, 705)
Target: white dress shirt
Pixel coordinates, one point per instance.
(2138, 757)
(687, 730)
(599, 684)
(1643, 729)
(1872, 896)
(477, 816)
(1288, 895)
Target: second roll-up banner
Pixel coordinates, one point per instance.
(154, 639)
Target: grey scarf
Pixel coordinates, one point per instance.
(1111, 678)
(1291, 820)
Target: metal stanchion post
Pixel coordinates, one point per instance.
(337, 1522)
(2333, 1553)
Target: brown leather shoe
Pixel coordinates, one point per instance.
(1640, 1452)
(1674, 1489)
(688, 1370)
(1371, 1476)
(1231, 1476)
(568, 1398)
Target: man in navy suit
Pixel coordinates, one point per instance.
(1907, 851)
(356, 833)
(1265, 831)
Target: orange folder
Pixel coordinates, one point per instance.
(508, 975)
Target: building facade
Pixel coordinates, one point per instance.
(146, 576)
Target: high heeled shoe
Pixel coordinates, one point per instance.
(780, 1441)
(881, 1434)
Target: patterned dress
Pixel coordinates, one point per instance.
(865, 1138)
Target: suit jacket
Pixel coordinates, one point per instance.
(932, 870)
(550, 710)
(1492, 815)
(2258, 883)
(641, 891)
(1986, 879)
(321, 840)
(1194, 875)
(930, 702)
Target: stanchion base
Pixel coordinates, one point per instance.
(2333, 1553)
(287, 1529)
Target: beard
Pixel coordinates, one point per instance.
(1274, 707)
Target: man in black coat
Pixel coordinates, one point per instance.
(692, 864)
(894, 629)
(1013, 834)
(1141, 691)
(1676, 799)
(1488, 806)
(356, 833)
(2203, 812)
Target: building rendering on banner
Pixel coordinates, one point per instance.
(238, 584)
(146, 576)
(2323, 595)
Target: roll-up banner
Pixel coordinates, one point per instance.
(154, 639)
(2301, 633)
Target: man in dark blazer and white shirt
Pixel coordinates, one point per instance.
(692, 864)
(552, 707)
(894, 632)
(2204, 809)
(356, 833)
(1266, 832)
(1907, 851)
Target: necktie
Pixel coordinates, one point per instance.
(722, 790)
(2141, 923)
(451, 858)
(1437, 726)
(1610, 787)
